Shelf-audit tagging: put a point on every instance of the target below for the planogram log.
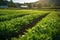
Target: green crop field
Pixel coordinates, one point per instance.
(29, 25)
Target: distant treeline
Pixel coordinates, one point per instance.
(36, 5)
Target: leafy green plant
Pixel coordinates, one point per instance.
(47, 29)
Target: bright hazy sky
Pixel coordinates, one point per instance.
(22, 1)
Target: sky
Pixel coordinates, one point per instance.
(22, 1)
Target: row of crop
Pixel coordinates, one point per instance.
(14, 15)
(9, 17)
(9, 12)
(9, 28)
(47, 29)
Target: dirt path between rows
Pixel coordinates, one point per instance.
(32, 24)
